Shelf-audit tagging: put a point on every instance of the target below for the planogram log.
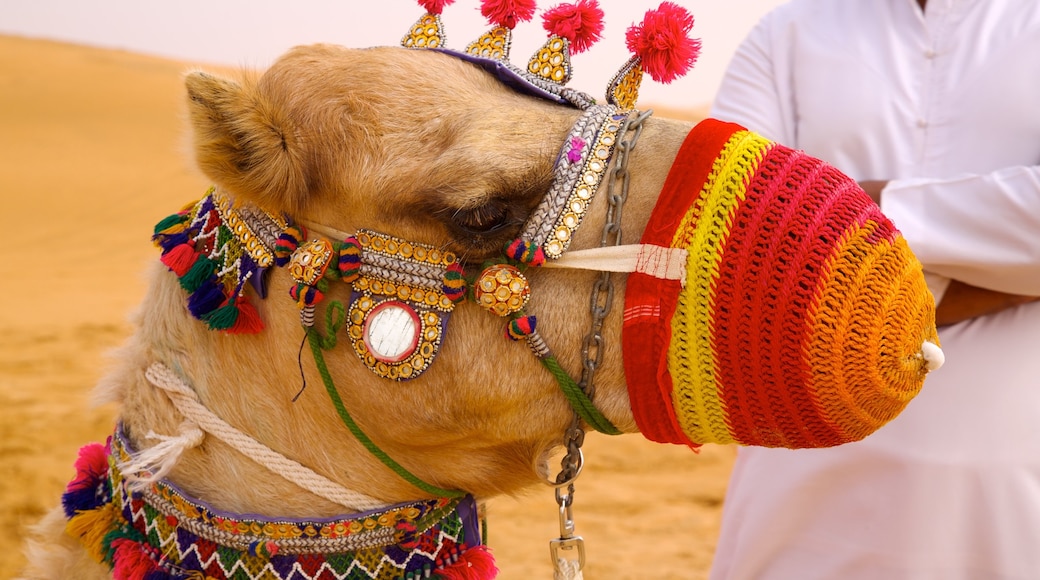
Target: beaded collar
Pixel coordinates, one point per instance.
(162, 533)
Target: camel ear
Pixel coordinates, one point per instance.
(246, 143)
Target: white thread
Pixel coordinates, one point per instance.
(187, 403)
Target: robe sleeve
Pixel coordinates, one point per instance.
(983, 230)
(750, 94)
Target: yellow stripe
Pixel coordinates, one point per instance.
(704, 231)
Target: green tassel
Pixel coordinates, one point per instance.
(222, 318)
(202, 270)
(170, 221)
(122, 532)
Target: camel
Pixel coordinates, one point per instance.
(403, 147)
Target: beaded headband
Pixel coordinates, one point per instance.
(659, 45)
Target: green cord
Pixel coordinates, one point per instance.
(579, 400)
(316, 341)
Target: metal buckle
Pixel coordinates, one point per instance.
(563, 548)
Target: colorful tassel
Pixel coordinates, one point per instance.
(180, 258)
(287, 243)
(349, 261)
(454, 283)
(248, 320)
(222, 318)
(306, 295)
(662, 44)
(435, 6)
(262, 549)
(507, 13)
(82, 492)
(202, 270)
(206, 298)
(131, 560)
(521, 327)
(580, 23)
(476, 563)
(91, 527)
(525, 252)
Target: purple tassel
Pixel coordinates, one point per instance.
(206, 299)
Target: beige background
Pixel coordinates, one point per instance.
(92, 154)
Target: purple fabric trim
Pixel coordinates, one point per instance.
(507, 75)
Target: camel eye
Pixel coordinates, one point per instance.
(483, 219)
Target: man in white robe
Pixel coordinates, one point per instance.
(934, 106)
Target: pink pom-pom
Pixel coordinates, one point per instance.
(91, 465)
(476, 563)
(661, 42)
(507, 12)
(434, 6)
(581, 23)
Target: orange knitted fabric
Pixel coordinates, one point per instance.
(803, 312)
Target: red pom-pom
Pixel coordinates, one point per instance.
(661, 42)
(434, 6)
(581, 23)
(507, 12)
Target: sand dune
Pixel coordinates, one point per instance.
(91, 156)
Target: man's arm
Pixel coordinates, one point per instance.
(960, 301)
(963, 302)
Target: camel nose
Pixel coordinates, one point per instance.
(803, 320)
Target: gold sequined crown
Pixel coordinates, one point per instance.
(660, 47)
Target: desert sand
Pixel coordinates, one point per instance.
(93, 153)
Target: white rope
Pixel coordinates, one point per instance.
(187, 403)
(567, 570)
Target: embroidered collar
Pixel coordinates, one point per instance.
(163, 533)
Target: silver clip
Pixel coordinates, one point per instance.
(564, 547)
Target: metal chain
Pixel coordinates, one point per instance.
(602, 296)
(570, 547)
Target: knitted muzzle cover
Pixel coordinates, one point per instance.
(802, 316)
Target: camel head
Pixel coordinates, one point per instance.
(421, 271)
(370, 151)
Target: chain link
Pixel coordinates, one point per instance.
(602, 296)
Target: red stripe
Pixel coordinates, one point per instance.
(645, 339)
(772, 274)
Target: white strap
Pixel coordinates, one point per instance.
(656, 261)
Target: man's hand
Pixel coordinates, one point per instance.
(962, 301)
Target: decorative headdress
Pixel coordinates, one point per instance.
(659, 45)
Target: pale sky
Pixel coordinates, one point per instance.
(254, 32)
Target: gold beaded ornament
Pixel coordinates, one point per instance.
(502, 290)
(552, 61)
(398, 314)
(427, 32)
